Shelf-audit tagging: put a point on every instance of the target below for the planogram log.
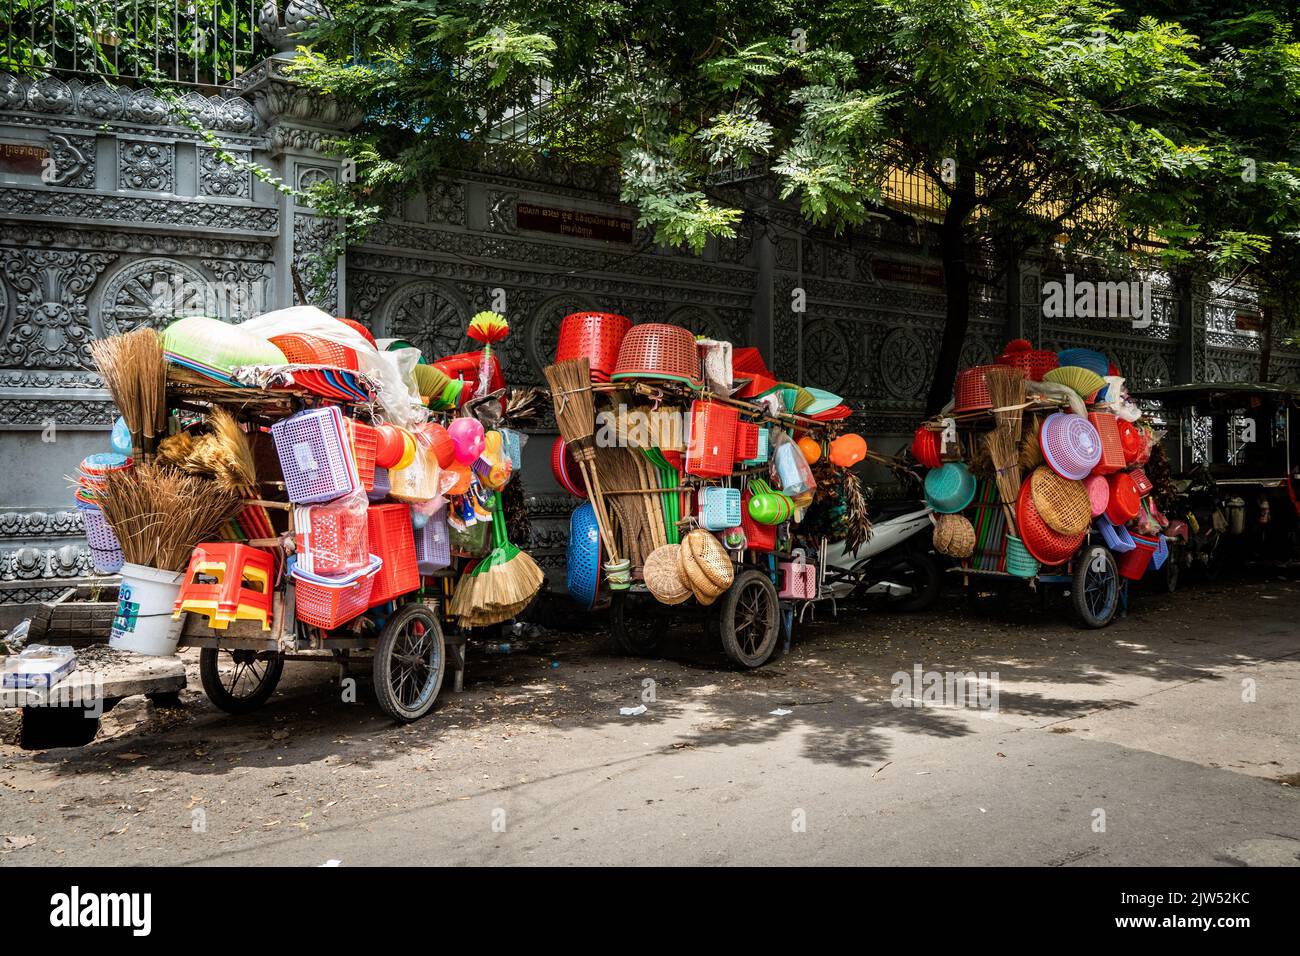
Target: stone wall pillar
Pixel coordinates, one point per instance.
(301, 129)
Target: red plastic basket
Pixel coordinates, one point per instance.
(365, 442)
(1048, 547)
(746, 441)
(1133, 564)
(598, 336)
(1141, 481)
(1131, 440)
(357, 327)
(655, 350)
(302, 349)
(925, 448)
(392, 539)
(1112, 449)
(1035, 363)
(712, 451)
(758, 537)
(1125, 501)
(330, 605)
(972, 392)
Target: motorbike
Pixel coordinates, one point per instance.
(897, 564)
(1198, 523)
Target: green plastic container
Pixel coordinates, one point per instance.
(1019, 561)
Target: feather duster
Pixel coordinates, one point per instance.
(524, 406)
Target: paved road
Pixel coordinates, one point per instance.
(1170, 738)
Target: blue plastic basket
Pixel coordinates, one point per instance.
(105, 550)
(1116, 536)
(719, 508)
(583, 577)
(1162, 552)
(949, 488)
(1085, 358)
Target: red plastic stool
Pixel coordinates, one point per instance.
(242, 591)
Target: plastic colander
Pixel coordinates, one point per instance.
(950, 487)
(1070, 444)
(583, 578)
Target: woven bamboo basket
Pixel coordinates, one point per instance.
(1063, 504)
(954, 536)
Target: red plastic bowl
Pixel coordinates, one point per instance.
(1125, 500)
(565, 469)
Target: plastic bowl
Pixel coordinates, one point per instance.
(950, 487)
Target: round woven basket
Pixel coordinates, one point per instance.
(1063, 504)
(954, 536)
(701, 585)
(710, 557)
(663, 576)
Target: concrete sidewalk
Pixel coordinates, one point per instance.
(1169, 738)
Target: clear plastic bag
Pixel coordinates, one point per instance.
(331, 537)
(789, 468)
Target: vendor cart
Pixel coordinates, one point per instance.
(402, 641)
(681, 523)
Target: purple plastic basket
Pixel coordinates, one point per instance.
(379, 490)
(1162, 552)
(315, 456)
(433, 544)
(105, 550)
(1070, 444)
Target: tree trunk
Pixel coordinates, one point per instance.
(956, 287)
(1266, 343)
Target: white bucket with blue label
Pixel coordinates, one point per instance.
(143, 623)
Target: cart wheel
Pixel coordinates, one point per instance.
(1095, 590)
(244, 684)
(410, 661)
(1172, 569)
(749, 616)
(635, 627)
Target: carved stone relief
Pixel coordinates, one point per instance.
(430, 316)
(219, 178)
(74, 160)
(50, 325)
(146, 166)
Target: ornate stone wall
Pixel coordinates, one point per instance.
(132, 202)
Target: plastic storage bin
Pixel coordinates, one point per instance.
(331, 602)
(712, 449)
(315, 456)
(433, 544)
(392, 539)
(719, 508)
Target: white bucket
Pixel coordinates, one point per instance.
(143, 623)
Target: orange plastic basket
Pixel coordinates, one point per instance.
(392, 540)
(1112, 448)
(655, 350)
(746, 441)
(365, 442)
(598, 336)
(302, 349)
(712, 451)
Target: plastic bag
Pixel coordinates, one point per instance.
(493, 467)
(331, 537)
(421, 480)
(789, 467)
(398, 396)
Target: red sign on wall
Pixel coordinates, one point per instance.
(571, 222)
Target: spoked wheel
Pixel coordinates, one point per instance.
(1095, 590)
(636, 624)
(410, 661)
(239, 682)
(749, 619)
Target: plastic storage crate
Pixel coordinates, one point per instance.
(330, 602)
(712, 449)
(433, 544)
(332, 538)
(315, 456)
(719, 508)
(392, 538)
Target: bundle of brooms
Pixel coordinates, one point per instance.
(501, 585)
(160, 514)
(133, 368)
(575, 414)
(1007, 393)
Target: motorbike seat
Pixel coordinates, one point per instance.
(894, 509)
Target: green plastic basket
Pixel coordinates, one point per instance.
(1019, 561)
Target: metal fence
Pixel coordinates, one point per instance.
(204, 43)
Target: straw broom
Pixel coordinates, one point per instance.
(620, 474)
(135, 372)
(575, 413)
(501, 585)
(159, 514)
(1007, 393)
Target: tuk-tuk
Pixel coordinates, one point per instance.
(1235, 462)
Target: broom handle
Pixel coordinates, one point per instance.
(598, 507)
